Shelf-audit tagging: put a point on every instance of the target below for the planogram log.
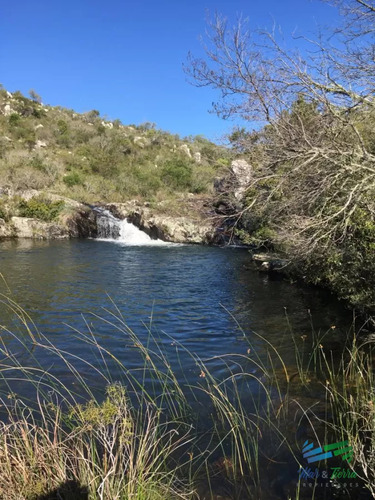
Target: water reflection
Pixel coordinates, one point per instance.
(207, 299)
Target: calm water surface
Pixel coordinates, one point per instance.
(207, 299)
(195, 302)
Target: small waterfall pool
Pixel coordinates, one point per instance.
(198, 309)
(111, 228)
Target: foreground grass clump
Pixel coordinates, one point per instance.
(351, 397)
(92, 450)
(139, 438)
(64, 440)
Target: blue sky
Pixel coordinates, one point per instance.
(125, 58)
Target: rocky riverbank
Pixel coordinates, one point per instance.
(78, 220)
(159, 225)
(188, 219)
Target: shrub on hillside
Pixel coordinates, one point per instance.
(14, 119)
(27, 107)
(177, 173)
(72, 179)
(40, 208)
(3, 212)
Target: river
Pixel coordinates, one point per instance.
(201, 306)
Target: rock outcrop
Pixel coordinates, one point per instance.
(7, 110)
(76, 221)
(40, 144)
(242, 173)
(184, 148)
(25, 227)
(197, 157)
(270, 262)
(237, 180)
(80, 221)
(176, 229)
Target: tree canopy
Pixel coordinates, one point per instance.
(313, 153)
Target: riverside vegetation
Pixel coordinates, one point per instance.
(132, 440)
(311, 196)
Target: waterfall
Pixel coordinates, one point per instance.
(107, 224)
(111, 228)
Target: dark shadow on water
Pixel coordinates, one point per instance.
(70, 490)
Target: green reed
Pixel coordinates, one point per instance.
(141, 439)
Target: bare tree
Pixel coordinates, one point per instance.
(34, 96)
(316, 113)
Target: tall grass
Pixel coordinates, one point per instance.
(112, 446)
(350, 392)
(138, 437)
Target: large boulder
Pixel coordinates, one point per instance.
(236, 181)
(26, 227)
(141, 142)
(242, 174)
(82, 223)
(76, 220)
(8, 110)
(197, 157)
(173, 229)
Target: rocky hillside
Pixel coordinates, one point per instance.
(55, 164)
(90, 159)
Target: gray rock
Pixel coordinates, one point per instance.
(197, 157)
(185, 149)
(270, 262)
(82, 224)
(25, 227)
(236, 181)
(242, 173)
(141, 141)
(8, 110)
(164, 227)
(107, 124)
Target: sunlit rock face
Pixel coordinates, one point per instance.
(163, 226)
(241, 171)
(236, 181)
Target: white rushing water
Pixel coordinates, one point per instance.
(110, 228)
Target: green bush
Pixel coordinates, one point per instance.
(3, 213)
(62, 127)
(72, 179)
(177, 173)
(14, 119)
(38, 163)
(40, 208)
